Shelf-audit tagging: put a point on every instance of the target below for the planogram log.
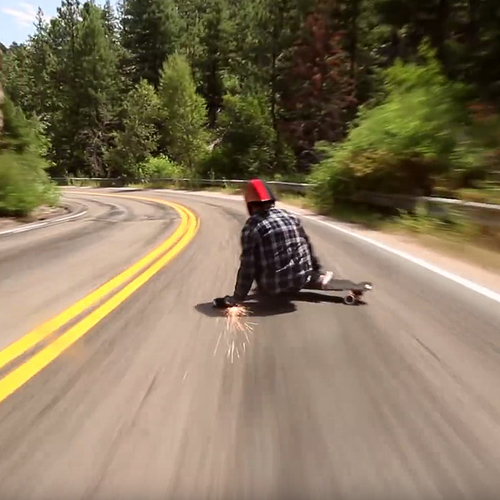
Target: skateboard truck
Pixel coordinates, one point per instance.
(354, 296)
(350, 299)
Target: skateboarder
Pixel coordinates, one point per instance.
(276, 251)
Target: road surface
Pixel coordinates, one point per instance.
(396, 399)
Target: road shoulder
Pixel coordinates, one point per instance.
(426, 249)
(42, 215)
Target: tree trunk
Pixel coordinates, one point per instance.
(472, 28)
(353, 49)
(443, 13)
(274, 57)
(277, 27)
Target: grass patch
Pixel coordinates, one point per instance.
(471, 251)
(361, 215)
(487, 195)
(296, 200)
(456, 227)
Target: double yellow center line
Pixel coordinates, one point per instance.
(148, 266)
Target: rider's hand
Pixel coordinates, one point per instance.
(224, 302)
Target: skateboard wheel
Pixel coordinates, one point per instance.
(349, 299)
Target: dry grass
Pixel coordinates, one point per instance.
(467, 251)
(459, 238)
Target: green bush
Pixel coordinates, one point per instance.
(20, 134)
(24, 184)
(161, 167)
(418, 133)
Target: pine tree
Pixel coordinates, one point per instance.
(150, 32)
(317, 89)
(64, 124)
(139, 137)
(185, 115)
(2, 96)
(17, 79)
(97, 85)
(110, 19)
(41, 64)
(215, 45)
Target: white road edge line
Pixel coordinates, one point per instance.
(37, 225)
(415, 260)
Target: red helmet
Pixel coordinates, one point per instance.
(258, 191)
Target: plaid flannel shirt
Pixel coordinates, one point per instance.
(276, 253)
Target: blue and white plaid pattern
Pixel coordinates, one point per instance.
(276, 253)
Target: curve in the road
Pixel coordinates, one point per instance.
(398, 399)
(148, 266)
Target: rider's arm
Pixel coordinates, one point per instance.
(315, 261)
(314, 258)
(246, 272)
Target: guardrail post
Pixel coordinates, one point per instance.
(437, 210)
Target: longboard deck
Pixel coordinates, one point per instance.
(338, 285)
(354, 290)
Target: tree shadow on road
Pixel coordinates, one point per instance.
(261, 307)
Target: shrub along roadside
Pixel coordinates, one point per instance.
(24, 184)
(417, 135)
(161, 167)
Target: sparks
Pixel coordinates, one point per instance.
(236, 331)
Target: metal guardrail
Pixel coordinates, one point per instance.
(482, 213)
(485, 214)
(283, 186)
(410, 202)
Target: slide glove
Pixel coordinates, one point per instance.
(224, 302)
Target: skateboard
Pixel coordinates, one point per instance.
(354, 291)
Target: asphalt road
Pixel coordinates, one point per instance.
(396, 399)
